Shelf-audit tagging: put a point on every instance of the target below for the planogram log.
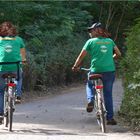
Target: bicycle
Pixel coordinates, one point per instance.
(10, 94)
(99, 105)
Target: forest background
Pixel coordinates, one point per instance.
(55, 32)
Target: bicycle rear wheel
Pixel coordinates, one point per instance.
(100, 113)
(6, 119)
(102, 118)
(11, 91)
(5, 109)
(10, 114)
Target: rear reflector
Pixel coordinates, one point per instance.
(11, 84)
(99, 87)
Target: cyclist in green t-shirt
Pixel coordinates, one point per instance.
(12, 49)
(101, 48)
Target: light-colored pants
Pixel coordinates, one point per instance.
(2, 87)
(108, 80)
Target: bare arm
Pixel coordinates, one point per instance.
(79, 59)
(23, 54)
(117, 52)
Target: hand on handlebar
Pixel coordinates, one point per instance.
(75, 69)
(24, 62)
(115, 56)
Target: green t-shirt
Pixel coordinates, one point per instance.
(101, 51)
(10, 52)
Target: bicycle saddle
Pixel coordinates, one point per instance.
(6, 75)
(95, 76)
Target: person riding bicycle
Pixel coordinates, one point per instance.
(12, 49)
(101, 49)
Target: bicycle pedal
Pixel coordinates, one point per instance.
(17, 101)
(98, 116)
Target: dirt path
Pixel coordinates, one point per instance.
(63, 116)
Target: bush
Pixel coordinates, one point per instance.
(130, 108)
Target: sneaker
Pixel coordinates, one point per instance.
(90, 107)
(18, 100)
(1, 118)
(1, 115)
(111, 122)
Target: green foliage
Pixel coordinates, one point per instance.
(55, 31)
(131, 64)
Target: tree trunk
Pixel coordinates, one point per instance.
(119, 23)
(101, 11)
(109, 15)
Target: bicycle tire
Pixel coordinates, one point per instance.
(10, 114)
(102, 118)
(6, 120)
(100, 114)
(96, 105)
(5, 110)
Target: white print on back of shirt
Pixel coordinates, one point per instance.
(103, 49)
(8, 48)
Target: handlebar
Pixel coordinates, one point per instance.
(85, 69)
